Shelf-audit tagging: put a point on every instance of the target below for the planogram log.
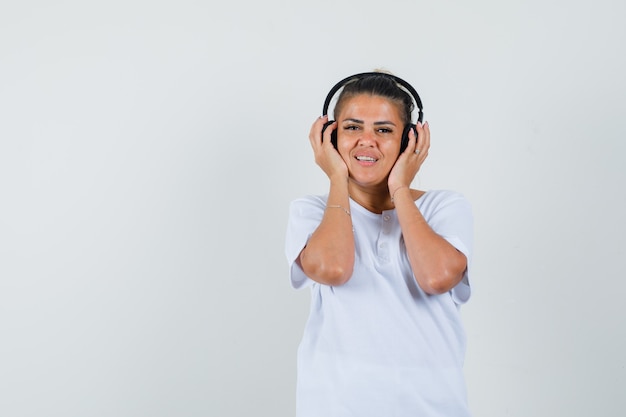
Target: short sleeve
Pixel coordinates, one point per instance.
(305, 215)
(449, 214)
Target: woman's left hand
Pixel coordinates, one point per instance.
(410, 161)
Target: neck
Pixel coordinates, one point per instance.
(375, 199)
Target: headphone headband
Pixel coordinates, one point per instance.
(398, 80)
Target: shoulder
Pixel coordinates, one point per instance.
(310, 200)
(439, 197)
(433, 201)
(308, 204)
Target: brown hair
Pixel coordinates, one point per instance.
(377, 85)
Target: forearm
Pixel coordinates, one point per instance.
(437, 265)
(328, 257)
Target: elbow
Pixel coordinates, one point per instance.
(446, 276)
(328, 273)
(439, 285)
(444, 280)
(334, 276)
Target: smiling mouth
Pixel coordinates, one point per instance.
(366, 159)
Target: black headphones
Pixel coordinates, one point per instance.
(398, 80)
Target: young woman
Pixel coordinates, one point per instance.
(387, 265)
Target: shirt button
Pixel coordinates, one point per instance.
(386, 217)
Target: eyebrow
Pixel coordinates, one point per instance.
(384, 122)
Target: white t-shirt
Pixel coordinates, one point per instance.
(379, 345)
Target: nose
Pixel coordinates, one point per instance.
(367, 138)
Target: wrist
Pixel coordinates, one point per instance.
(395, 190)
(338, 180)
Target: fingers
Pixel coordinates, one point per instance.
(320, 135)
(422, 143)
(315, 135)
(410, 161)
(326, 156)
(328, 131)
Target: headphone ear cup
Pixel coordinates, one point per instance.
(405, 136)
(333, 134)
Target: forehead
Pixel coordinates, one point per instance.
(367, 106)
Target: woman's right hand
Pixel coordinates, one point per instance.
(328, 257)
(326, 156)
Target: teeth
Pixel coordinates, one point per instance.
(366, 158)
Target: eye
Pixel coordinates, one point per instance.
(385, 130)
(351, 127)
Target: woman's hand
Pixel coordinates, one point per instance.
(437, 265)
(410, 161)
(326, 156)
(328, 257)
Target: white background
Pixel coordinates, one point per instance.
(149, 151)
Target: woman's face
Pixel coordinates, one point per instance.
(369, 131)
